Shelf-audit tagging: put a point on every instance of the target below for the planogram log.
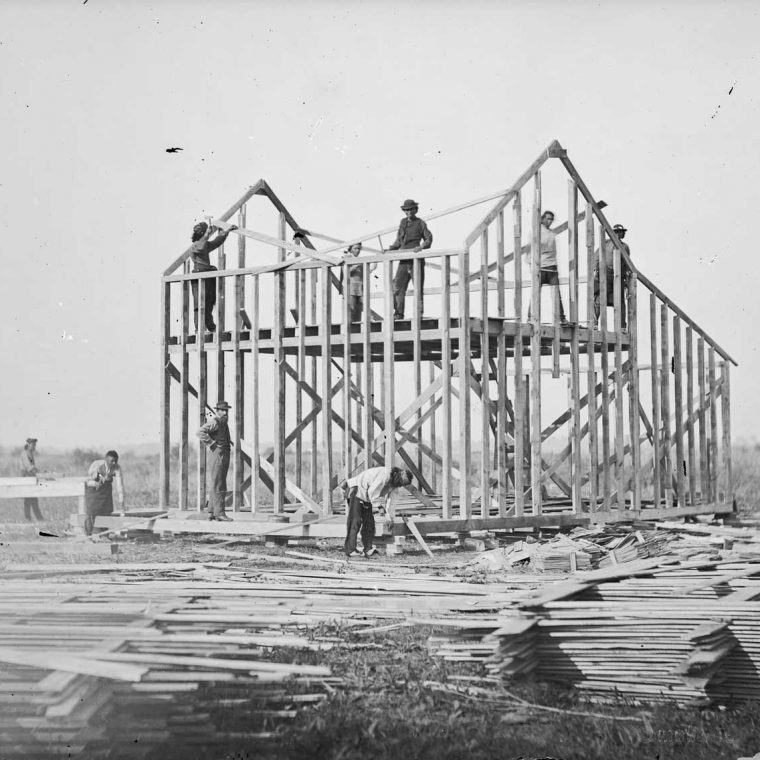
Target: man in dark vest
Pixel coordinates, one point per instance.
(215, 435)
(102, 475)
(413, 235)
(29, 470)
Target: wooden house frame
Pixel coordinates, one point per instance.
(456, 394)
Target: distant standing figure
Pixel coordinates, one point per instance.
(413, 234)
(354, 291)
(375, 487)
(549, 274)
(101, 477)
(199, 253)
(29, 469)
(609, 264)
(215, 435)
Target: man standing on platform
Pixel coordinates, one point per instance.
(199, 253)
(29, 470)
(609, 265)
(102, 476)
(413, 235)
(375, 487)
(215, 435)
(549, 274)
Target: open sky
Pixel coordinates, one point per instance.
(346, 108)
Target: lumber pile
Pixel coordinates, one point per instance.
(687, 632)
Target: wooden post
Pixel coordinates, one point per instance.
(463, 364)
(689, 415)
(326, 346)
(301, 364)
(678, 402)
(184, 443)
(667, 458)
(713, 427)
(603, 347)
(535, 349)
(633, 390)
(388, 368)
(314, 375)
(574, 379)
(220, 325)
(417, 304)
(485, 404)
(255, 428)
(433, 444)
(369, 401)
(237, 452)
(704, 470)
(346, 319)
(165, 456)
(519, 417)
(619, 424)
(725, 416)
(501, 372)
(278, 334)
(593, 446)
(200, 344)
(446, 464)
(656, 434)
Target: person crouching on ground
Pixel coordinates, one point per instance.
(372, 488)
(101, 477)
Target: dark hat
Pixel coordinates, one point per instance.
(222, 405)
(31, 440)
(619, 228)
(409, 204)
(299, 234)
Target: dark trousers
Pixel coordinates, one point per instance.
(218, 462)
(551, 277)
(610, 298)
(358, 517)
(355, 308)
(98, 501)
(404, 273)
(210, 300)
(32, 505)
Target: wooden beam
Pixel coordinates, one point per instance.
(519, 406)
(654, 360)
(667, 465)
(165, 452)
(604, 361)
(535, 348)
(325, 329)
(678, 411)
(593, 446)
(619, 426)
(238, 469)
(184, 443)
(725, 416)
(255, 418)
(633, 390)
(446, 459)
(485, 416)
(463, 364)
(714, 461)
(689, 413)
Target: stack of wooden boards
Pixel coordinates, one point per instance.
(116, 660)
(688, 632)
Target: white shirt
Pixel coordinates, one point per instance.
(374, 486)
(548, 248)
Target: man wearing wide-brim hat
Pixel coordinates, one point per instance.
(609, 263)
(215, 435)
(413, 235)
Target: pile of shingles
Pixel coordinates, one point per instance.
(687, 633)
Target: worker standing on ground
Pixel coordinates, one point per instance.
(609, 264)
(354, 290)
(413, 235)
(199, 253)
(549, 274)
(215, 435)
(101, 478)
(375, 487)
(29, 470)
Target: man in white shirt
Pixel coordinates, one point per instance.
(101, 477)
(375, 487)
(549, 274)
